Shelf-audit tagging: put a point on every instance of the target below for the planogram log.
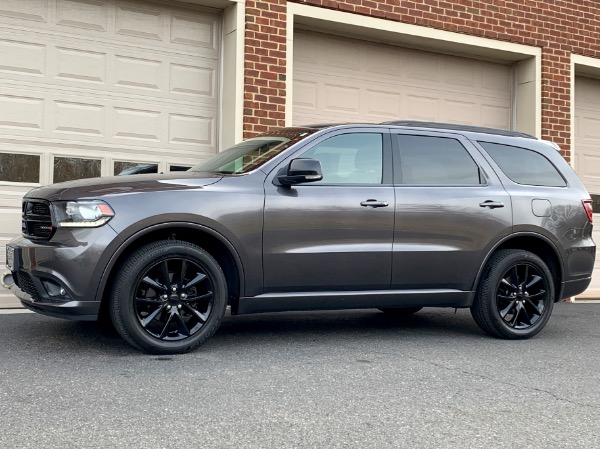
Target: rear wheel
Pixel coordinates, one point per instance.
(515, 296)
(169, 297)
(401, 311)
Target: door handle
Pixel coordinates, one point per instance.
(492, 204)
(374, 203)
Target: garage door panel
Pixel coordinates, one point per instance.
(382, 104)
(341, 99)
(496, 82)
(21, 112)
(60, 65)
(495, 116)
(86, 14)
(34, 10)
(420, 107)
(126, 23)
(383, 82)
(305, 94)
(587, 149)
(587, 132)
(22, 57)
(94, 117)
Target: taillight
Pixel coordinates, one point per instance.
(587, 205)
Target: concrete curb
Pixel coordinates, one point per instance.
(14, 311)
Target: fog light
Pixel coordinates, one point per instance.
(54, 290)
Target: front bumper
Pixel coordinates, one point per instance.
(60, 277)
(70, 310)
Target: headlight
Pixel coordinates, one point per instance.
(82, 214)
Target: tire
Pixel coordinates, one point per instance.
(515, 296)
(401, 311)
(168, 297)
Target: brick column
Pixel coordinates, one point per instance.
(265, 66)
(556, 98)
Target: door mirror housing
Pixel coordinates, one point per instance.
(300, 171)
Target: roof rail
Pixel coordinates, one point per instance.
(457, 127)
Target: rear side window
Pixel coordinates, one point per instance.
(524, 166)
(429, 160)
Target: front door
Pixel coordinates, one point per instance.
(335, 234)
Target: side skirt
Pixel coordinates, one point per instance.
(296, 301)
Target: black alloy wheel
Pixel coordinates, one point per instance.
(173, 299)
(515, 296)
(168, 297)
(522, 296)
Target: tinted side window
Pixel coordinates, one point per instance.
(436, 161)
(524, 166)
(350, 158)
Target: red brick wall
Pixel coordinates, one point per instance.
(265, 56)
(558, 27)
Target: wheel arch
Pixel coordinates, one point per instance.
(208, 239)
(537, 244)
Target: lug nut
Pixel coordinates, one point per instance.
(179, 306)
(174, 288)
(183, 296)
(164, 297)
(168, 307)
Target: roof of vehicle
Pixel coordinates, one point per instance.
(435, 125)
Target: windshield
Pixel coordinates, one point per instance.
(252, 153)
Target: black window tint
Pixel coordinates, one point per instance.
(436, 161)
(350, 158)
(524, 166)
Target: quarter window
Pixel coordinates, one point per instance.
(524, 166)
(350, 158)
(429, 160)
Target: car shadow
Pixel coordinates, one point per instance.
(301, 328)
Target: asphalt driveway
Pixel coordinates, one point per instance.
(352, 379)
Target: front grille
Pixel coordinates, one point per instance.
(25, 283)
(37, 220)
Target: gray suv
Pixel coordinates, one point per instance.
(396, 216)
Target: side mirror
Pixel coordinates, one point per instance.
(300, 171)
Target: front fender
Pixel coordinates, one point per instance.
(139, 230)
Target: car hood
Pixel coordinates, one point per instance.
(122, 185)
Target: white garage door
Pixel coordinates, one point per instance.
(88, 87)
(587, 151)
(587, 132)
(344, 80)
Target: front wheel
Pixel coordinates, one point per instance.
(168, 297)
(515, 296)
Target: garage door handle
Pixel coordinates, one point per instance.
(492, 204)
(374, 203)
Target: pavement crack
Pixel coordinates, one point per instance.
(504, 382)
(483, 376)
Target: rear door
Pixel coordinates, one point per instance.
(335, 234)
(450, 211)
